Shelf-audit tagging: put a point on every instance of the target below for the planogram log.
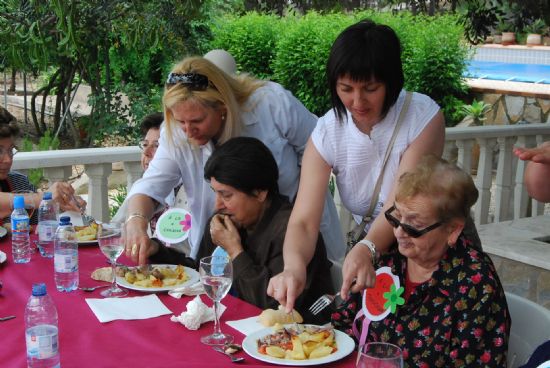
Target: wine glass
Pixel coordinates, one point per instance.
(216, 276)
(110, 236)
(380, 355)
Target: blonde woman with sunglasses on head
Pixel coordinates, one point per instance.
(203, 108)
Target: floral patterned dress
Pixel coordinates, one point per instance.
(458, 318)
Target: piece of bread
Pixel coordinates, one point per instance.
(270, 317)
(103, 274)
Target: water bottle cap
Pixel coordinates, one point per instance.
(39, 289)
(64, 220)
(47, 195)
(18, 202)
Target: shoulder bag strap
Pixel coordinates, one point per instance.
(353, 235)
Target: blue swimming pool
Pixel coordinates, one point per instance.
(530, 73)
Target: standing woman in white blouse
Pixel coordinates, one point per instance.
(203, 108)
(366, 79)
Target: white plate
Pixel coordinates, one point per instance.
(344, 343)
(3, 231)
(193, 277)
(3, 257)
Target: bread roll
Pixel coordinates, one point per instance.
(270, 317)
(103, 274)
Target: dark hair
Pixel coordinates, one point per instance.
(246, 164)
(8, 125)
(363, 51)
(151, 121)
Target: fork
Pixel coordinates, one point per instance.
(233, 359)
(92, 288)
(323, 302)
(2, 319)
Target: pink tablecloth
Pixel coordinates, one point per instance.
(84, 341)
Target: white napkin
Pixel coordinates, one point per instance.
(76, 217)
(190, 290)
(246, 326)
(138, 307)
(197, 313)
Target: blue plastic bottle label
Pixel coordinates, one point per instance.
(20, 224)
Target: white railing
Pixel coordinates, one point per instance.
(58, 165)
(496, 170)
(486, 152)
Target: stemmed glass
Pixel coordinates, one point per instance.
(380, 355)
(110, 236)
(216, 276)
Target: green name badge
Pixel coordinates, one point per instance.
(173, 225)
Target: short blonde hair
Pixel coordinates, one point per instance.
(224, 91)
(451, 189)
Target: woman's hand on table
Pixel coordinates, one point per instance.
(137, 244)
(357, 268)
(287, 286)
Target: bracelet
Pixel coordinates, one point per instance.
(134, 215)
(369, 244)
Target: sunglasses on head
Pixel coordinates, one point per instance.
(410, 230)
(193, 81)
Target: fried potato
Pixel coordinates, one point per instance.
(297, 349)
(287, 343)
(275, 351)
(320, 352)
(86, 233)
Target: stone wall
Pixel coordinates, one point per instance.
(512, 109)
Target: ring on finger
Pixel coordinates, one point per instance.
(134, 248)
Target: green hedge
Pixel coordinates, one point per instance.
(293, 51)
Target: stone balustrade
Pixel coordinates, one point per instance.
(485, 151)
(58, 165)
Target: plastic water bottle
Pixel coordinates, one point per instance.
(47, 224)
(65, 257)
(41, 331)
(20, 241)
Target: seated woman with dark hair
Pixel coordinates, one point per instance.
(455, 312)
(12, 181)
(250, 224)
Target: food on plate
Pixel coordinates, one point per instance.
(86, 233)
(270, 317)
(307, 342)
(103, 274)
(155, 276)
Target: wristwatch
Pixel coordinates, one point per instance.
(374, 254)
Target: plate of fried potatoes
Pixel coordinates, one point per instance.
(86, 234)
(156, 278)
(307, 345)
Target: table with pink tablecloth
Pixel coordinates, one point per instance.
(85, 342)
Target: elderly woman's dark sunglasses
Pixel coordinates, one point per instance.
(193, 81)
(411, 231)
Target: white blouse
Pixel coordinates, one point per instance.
(356, 158)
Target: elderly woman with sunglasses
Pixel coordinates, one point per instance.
(12, 181)
(454, 312)
(203, 108)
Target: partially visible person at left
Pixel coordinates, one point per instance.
(12, 181)
(250, 223)
(454, 312)
(537, 172)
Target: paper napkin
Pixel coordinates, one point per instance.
(189, 290)
(197, 313)
(246, 326)
(138, 307)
